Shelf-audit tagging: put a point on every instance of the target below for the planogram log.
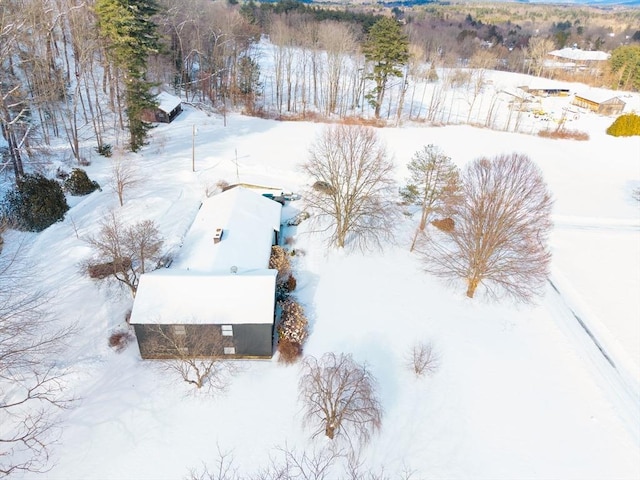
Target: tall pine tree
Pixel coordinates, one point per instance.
(129, 31)
(388, 49)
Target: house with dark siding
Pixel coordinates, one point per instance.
(217, 298)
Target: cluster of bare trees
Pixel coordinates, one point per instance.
(290, 463)
(317, 66)
(51, 76)
(497, 211)
(56, 80)
(212, 54)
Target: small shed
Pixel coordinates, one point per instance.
(169, 107)
(602, 103)
(217, 298)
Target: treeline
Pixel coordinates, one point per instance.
(85, 72)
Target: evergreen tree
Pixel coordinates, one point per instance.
(388, 49)
(434, 183)
(35, 203)
(131, 36)
(625, 61)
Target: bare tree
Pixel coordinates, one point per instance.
(352, 186)
(501, 227)
(223, 469)
(123, 176)
(124, 252)
(423, 359)
(193, 352)
(434, 180)
(339, 397)
(536, 52)
(31, 383)
(339, 42)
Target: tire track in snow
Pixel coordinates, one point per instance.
(585, 328)
(619, 385)
(596, 223)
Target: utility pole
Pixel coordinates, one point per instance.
(193, 148)
(237, 171)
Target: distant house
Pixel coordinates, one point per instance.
(576, 59)
(602, 103)
(219, 287)
(169, 107)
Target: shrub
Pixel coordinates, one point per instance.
(120, 339)
(78, 183)
(279, 260)
(100, 271)
(289, 351)
(625, 126)
(444, 224)
(291, 283)
(105, 150)
(292, 330)
(35, 203)
(564, 134)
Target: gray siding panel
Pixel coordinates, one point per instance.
(249, 340)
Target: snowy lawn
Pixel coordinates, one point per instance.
(518, 393)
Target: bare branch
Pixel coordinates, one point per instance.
(193, 354)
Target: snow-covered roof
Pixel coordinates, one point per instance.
(599, 96)
(247, 220)
(169, 296)
(577, 54)
(167, 102)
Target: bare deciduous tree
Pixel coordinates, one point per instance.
(124, 252)
(123, 176)
(434, 181)
(339, 397)
(537, 50)
(423, 359)
(353, 186)
(501, 227)
(223, 469)
(31, 383)
(195, 356)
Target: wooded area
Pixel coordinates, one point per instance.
(85, 72)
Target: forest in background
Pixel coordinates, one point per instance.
(84, 72)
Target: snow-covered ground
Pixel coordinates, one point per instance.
(521, 392)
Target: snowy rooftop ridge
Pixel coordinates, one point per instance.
(248, 221)
(577, 54)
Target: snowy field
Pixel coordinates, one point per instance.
(522, 392)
